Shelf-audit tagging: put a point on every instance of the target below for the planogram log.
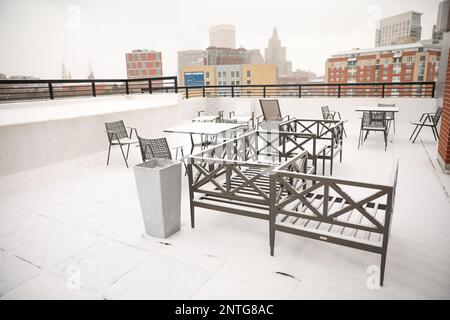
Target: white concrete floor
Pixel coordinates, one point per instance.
(80, 220)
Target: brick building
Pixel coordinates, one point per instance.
(225, 56)
(410, 62)
(144, 64)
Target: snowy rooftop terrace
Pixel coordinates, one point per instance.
(64, 213)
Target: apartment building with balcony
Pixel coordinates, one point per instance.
(410, 62)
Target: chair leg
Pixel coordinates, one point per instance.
(414, 131)
(393, 119)
(417, 134)
(434, 134)
(367, 133)
(123, 154)
(385, 140)
(435, 130)
(359, 138)
(128, 150)
(109, 152)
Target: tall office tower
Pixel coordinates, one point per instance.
(401, 28)
(143, 64)
(222, 36)
(276, 54)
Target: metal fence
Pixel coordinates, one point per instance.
(16, 90)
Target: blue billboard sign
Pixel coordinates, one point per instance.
(192, 79)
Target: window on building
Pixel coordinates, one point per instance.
(420, 78)
(224, 83)
(207, 74)
(422, 58)
(219, 74)
(237, 74)
(249, 81)
(207, 83)
(232, 74)
(232, 82)
(249, 73)
(224, 74)
(238, 82)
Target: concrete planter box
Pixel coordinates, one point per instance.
(158, 182)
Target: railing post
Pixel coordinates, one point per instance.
(383, 87)
(433, 89)
(299, 91)
(232, 91)
(127, 88)
(150, 88)
(94, 93)
(50, 90)
(203, 91)
(339, 90)
(175, 81)
(264, 91)
(187, 93)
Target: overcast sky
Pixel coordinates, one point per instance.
(36, 34)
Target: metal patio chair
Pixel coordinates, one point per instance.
(271, 112)
(373, 121)
(430, 120)
(118, 135)
(159, 148)
(328, 114)
(390, 116)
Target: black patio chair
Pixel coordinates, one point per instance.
(428, 119)
(328, 114)
(159, 148)
(118, 135)
(373, 121)
(390, 116)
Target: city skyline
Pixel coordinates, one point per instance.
(73, 31)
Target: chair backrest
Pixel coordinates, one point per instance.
(116, 127)
(160, 148)
(146, 151)
(326, 113)
(270, 109)
(374, 119)
(388, 105)
(437, 116)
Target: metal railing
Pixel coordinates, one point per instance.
(14, 90)
(303, 90)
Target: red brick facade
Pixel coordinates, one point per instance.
(444, 135)
(143, 64)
